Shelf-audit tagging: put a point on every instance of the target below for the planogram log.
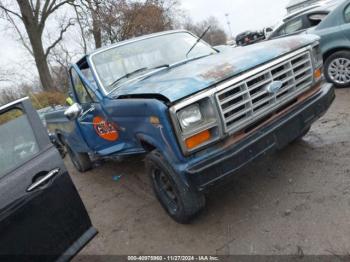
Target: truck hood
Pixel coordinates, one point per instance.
(177, 82)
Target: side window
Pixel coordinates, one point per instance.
(17, 140)
(294, 25)
(280, 31)
(347, 14)
(83, 95)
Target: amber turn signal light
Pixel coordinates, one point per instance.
(198, 139)
(318, 73)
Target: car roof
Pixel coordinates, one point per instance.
(326, 7)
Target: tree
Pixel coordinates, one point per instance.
(215, 36)
(33, 14)
(111, 21)
(88, 15)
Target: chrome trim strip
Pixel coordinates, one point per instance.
(13, 103)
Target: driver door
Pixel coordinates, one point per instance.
(41, 213)
(346, 26)
(101, 135)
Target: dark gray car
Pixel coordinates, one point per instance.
(42, 217)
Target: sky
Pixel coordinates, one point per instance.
(242, 14)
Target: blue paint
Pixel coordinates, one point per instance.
(131, 116)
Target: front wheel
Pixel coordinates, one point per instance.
(337, 69)
(179, 201)
(81, 161)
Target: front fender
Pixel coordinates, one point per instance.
(163, 145)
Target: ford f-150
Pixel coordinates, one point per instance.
(198, 114)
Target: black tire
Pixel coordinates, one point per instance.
(330, 66)
(179, 201)
(81, 161)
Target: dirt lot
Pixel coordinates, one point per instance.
(297, 200)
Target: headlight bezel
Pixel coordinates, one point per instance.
(317, 55)
(212, 123)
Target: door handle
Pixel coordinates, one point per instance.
(43, 180)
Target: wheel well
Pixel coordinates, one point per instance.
(60, 138)
(147, 146)
(332, 51)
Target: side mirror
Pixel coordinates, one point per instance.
(73, 112)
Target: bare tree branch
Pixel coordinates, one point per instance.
(8, 11)
(81, 28)
(37, 10)
(59, 39)
(21, 37)
(52, 8)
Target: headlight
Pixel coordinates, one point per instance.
(190, 116)
(196, 124)
(317, 56)
(317, 62)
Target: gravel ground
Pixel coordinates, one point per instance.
(296, 201)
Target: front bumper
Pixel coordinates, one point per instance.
(275, 135)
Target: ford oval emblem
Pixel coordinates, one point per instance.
(274, 86)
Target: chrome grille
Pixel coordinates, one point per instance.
(243, 103)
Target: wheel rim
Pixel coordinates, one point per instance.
(339, 70)
(166, 190)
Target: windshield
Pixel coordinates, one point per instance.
(125, 62)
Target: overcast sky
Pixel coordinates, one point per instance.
(243, 15)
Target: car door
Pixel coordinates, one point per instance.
(100, 134)
(346, 25)
(41, 213)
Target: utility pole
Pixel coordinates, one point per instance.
(229, 24)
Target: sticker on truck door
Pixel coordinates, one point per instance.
(104, 129)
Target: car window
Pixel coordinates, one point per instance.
(294, 26)
(17, 140)
(83, 94)
(279, 32)
(347, 14)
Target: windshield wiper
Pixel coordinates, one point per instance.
(127, 76)
(199, 39)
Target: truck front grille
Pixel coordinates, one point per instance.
(248, 101)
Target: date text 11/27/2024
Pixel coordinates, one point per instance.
(173, 258)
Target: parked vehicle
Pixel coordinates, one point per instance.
(42, 112)
(332, 23)
(300, 21)
(198, 114)
(334, 31)
(249, 37)
(42, 217)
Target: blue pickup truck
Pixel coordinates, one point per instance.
(197, 113)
